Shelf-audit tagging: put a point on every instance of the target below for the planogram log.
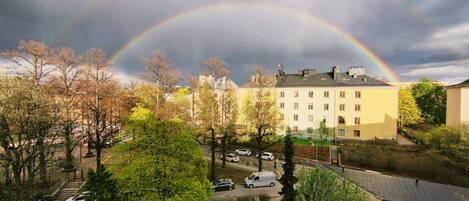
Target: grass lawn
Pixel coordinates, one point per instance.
(301, 141)
(308, 142)
(230, 173)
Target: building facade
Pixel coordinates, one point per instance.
(352, 104)
(457, 104)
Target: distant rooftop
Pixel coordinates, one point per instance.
(309, 77)
(462, 84)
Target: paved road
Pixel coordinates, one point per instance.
(401, 188)
(387, 187)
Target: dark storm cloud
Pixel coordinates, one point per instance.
(406, 34)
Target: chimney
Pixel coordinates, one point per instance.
(335, 72)
(280, 73)
(355, 71)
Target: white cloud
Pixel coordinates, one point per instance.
(450, 72)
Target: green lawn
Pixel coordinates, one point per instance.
(308, 142)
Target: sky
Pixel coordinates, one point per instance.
(416, 39)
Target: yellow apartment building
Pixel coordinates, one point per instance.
(457, 104)
(355, 106)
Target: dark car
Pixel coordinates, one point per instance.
(223, 185)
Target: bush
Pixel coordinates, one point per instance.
(102, 183)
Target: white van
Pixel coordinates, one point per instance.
(257, 179)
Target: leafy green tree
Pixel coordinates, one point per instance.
(288, 179)
(409, 112)
(449, 141)
(431, 99)
(102, 183)
(317, 184)
(260, 111)
(324, 131)
(165, 164)
(26, 122)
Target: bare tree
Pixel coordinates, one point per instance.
(161, 71)
(102, 88)
(228, 115)
(260, 109)
(32, 59)
(216, 68)
(64, 85)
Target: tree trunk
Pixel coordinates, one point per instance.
(259, 149)
(68, 146)
(213, 167)
(42, 162)
(223, 150)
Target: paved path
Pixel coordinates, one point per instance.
(401, 188)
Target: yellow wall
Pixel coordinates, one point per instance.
(457, 106)
(378, 114)
(453, 106)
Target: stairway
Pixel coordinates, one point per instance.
(70, 189)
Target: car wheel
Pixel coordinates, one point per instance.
(272, 184)
(231, 188)
(251, 186)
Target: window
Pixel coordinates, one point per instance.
(326, 94)
(357, 107)
(326, 106)
(282, 105)
(341, 132)
(310, 130)
(295, 94)
(295, 128)
(282, 94)
(295, 117)
(342, 94)
(341, 120)
(310, 106)
(295, 105)
(358, 94)
(356, 133)
(311, 94)
(310, 118)
(357, 120)
(342, 107)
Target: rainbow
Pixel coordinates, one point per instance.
(354, 42)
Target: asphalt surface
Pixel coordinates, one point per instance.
(384, 187)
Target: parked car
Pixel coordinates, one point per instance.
(258, 179)
(87, 195)
(244, 152)
(231, 157)
(267, 156)
(223, 185)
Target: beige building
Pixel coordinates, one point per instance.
(354, 105)
(457, 104)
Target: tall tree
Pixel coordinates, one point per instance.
(409, 112)
(431, 99)
(213, 86)
(228, 114)
(165, 164)
(160, 71)
(64, 85)
(32, 60)
(26, 140)
(260, 110)
(102, 88)
(208, 115)
(288, 179)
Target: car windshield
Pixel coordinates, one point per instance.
(251, 176)
(266, 154)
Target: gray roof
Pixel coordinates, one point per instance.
(327, 80)
(462, 84)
